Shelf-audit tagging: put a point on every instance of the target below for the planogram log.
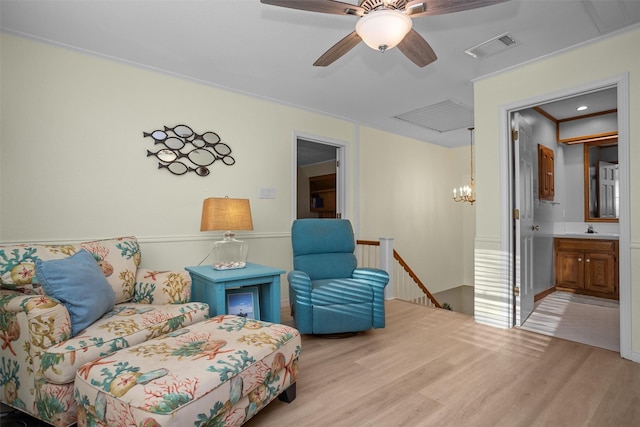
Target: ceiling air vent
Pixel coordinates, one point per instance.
(441, 117)
(491, 46)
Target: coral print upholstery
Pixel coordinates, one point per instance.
(40, 351)
(219, 372)
(117, 258)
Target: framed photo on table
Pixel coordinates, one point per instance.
(243, 302)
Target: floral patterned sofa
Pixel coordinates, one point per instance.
(63, 306)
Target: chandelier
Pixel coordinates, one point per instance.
(467, 193)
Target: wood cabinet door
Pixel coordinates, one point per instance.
(546, 182)
(570, 269)
(599, 272)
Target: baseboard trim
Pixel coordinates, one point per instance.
(543, 294)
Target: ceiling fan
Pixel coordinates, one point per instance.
(384, 24)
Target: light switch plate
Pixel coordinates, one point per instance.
(267, 193)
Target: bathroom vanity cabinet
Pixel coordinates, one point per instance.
(586, 266)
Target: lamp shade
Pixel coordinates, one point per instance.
(383, 29)
(226, 214)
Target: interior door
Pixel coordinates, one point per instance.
(524, 227)
(317, 162)
(607, 186)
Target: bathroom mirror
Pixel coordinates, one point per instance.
(601, 181)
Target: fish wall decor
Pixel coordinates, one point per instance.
(182, 150)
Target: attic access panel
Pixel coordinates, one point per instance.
(442, 117)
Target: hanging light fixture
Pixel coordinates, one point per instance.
(383, 29)
(467, 193)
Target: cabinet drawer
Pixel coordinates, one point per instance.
(591, 245)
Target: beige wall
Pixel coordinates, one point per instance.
(73, 166)
(406, 193)
(461, 168)
(606, 59)
(74, 162)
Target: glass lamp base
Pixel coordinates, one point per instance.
(229, 253)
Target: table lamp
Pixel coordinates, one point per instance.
(227, 214)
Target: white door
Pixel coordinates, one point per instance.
(524, 227)
(607, 190)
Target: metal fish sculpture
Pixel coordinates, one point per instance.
(179, 158)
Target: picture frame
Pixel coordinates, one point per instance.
(243, 302)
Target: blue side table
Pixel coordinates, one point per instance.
(210, 285)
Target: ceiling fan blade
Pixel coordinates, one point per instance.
(338, 49)
(324, 6)
(440, 7)
(417, 49)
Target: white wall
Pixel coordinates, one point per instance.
(574, 173)
(606, 59)
(589, 126)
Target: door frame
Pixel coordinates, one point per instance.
(341, 172)
(621, 82)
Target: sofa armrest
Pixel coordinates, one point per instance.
(31, 323)
(161, 287)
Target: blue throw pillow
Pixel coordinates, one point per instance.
(79, 284)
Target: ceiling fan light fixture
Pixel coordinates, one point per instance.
(383, 29)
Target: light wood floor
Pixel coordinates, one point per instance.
(588, 320)
(432, 367)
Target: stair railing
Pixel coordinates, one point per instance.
(404, 283)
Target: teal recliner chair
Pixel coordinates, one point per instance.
(328, 294)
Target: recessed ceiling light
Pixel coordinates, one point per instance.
(582, 108)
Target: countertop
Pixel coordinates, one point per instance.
(604, 236)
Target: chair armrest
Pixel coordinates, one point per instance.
(30, 324)
(300, 300)
(300, 282)
(376, 277)
(161, 287)
(378, 280)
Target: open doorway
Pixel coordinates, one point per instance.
(318, 178)
(543, 222)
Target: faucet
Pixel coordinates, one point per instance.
(590, 229)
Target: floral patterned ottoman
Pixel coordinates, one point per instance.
(218, 372)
